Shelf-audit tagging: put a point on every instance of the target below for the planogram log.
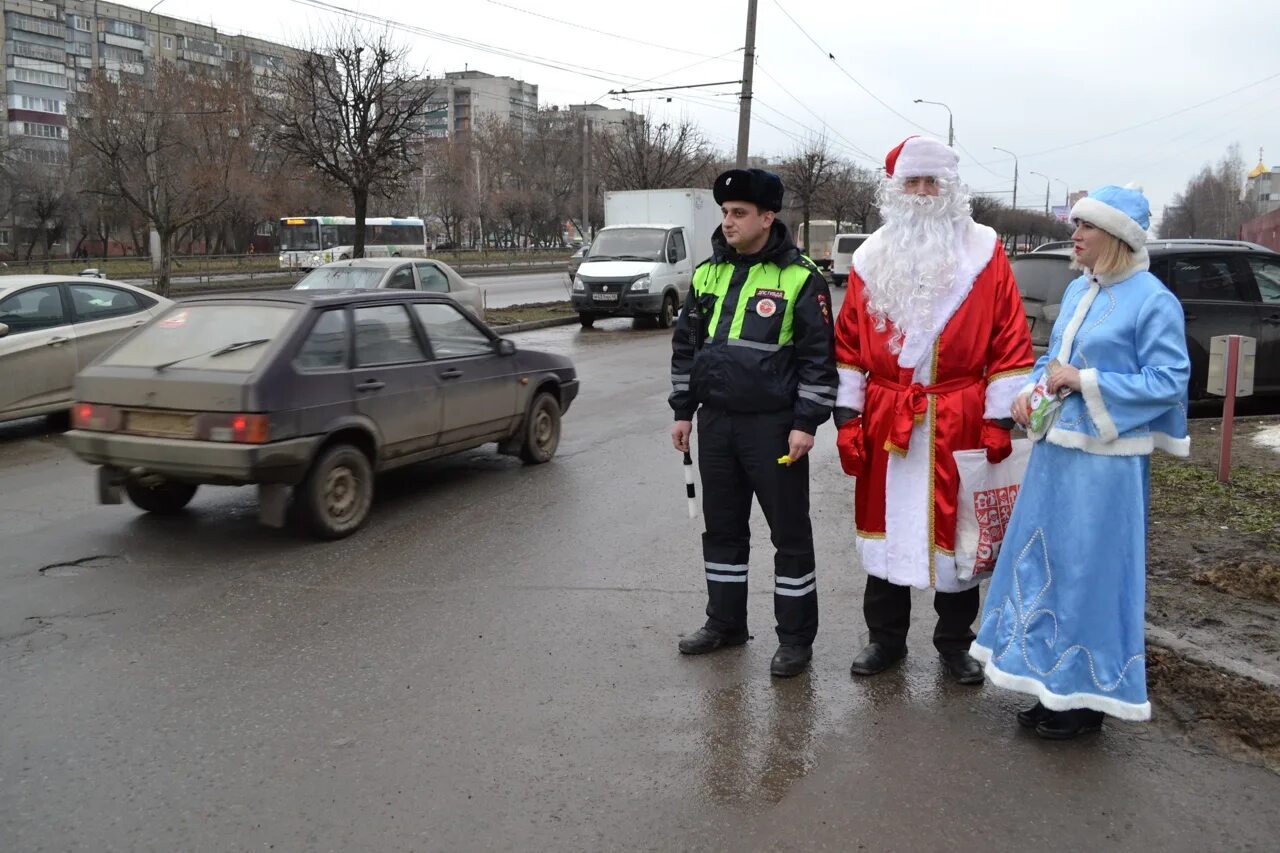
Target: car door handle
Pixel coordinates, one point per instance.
(1273, 320)
(56, 342)
(451, 373)
(371, 385)
(1189, 317)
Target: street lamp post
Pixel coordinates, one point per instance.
(951, 125)
(1048, 183)
(1066, 192)
(1015, 173)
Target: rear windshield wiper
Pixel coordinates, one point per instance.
(223, 350)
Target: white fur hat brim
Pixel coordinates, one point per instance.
(1116, 223)
(922, 157)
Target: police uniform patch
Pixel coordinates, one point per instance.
(770, 294)
(766, 308)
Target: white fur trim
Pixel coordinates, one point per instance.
(902, 557)
(852, 393)
(1097, 406)
(922, 156)
(873, 556)
(1109, 219)
(975, 246)
(1134, 445)
(1057, 701)
(1077, 320)
(1001, 394)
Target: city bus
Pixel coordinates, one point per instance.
(307, 242)
(823, 232)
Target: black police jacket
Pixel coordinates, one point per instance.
(757, 336)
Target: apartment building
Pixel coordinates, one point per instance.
(462, 100)
(50, 51)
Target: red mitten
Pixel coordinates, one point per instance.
(997, 442)
(850, 443)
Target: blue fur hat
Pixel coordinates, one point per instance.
(1122, 212)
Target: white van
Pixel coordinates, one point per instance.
(641, 263)
(842, 256)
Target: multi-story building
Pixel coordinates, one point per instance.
(462, 100)
(1262, 188)
(603, 118)
(50, 51)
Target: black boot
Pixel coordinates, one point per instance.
(1033, 716)
(790, 660)
(707, 640)
(1065, 725)
(876, 658)
(963, 668)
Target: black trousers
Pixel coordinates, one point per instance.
(738, 457)
(887, 609)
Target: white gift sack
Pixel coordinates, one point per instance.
(984, 505)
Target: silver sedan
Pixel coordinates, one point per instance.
(425, 274)
(52, 326)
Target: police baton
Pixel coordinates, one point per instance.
(688, 485)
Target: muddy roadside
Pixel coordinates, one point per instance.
(1213, 591)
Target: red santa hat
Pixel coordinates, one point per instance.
(921, 157)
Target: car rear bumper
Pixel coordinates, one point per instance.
(627, 304)
(279, 462)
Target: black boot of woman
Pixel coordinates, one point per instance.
(1065, 725)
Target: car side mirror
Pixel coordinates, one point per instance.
(671, 255)
(502, 346)
(4, 330)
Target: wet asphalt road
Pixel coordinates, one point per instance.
(491, 665)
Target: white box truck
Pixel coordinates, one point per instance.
(641, 263)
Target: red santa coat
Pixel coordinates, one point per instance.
(926, 402)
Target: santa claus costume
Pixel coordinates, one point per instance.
(932, 346)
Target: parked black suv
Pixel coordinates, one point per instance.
(1226, 287)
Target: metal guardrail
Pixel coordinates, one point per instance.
(208, 267)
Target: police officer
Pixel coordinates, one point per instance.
(753, 355)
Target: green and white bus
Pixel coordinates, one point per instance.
(307, 242)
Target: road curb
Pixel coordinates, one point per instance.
(535, 324)
(1164, 639)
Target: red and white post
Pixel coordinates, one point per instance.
(1229, 407)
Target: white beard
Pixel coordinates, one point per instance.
(915, 260)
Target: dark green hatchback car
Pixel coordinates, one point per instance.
(308, 395)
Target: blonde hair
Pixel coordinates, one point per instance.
(1116, 256)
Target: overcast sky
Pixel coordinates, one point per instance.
(1037, 79)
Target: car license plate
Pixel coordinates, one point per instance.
(605, 297)
(167, 424)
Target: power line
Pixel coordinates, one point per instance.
(577, 26)
(580, 70)
(805, 106)
(1141, 124)
(831, 56)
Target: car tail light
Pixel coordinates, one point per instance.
(96, 417)
(235, 428)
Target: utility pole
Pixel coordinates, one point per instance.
(1015, 173)
(586, 182)
(744, 108)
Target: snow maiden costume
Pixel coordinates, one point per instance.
(1064, 616)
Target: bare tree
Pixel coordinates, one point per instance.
(851, 195)
(167, 146)
(649, 155)
(807, 174)
(44, 201)
(353, 111)
(1210, 206)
